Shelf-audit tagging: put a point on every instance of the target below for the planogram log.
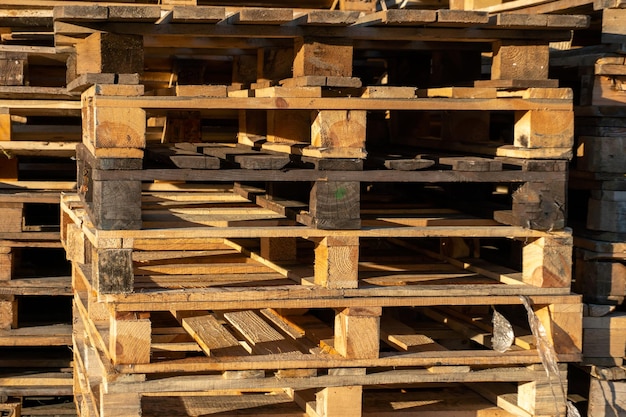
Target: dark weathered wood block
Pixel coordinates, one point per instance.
(335, 205)
(110, 53)
(599, 281)
(540, 206)
(13, 68)
(116, 204)
(113, 271)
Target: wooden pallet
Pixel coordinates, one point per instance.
(278, 362)
(337, 129)
(230, 216)
(534, 198)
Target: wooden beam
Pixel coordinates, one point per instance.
(357, 332)
(336, 262)
(547, 262)
(544, 129)
(322, 56)
(129, 338)
(113, 271)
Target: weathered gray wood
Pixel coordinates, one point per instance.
(13, 68)
(183, 158)
(335, 205)
(113, 271)
(247, 158)
(116, 204)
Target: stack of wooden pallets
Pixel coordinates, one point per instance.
(598, 190)
(39, 129)
(293, 211)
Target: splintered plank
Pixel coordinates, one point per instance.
(263, 338)
(212, 336)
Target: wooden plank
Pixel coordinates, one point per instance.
(406, 338)
(263, 338)
(462, 17)
(396, 17)
(139, 13)
(212, 336)
(247, 158)
(606, 398)
(458, 92)
(198, 14)
(327, 17)
(466, 163)
(51, 335)
(183, 158)
(264, 16)
(324, 103)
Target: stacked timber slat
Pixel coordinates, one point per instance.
(598, 209)
(39, 130)
(317, 212)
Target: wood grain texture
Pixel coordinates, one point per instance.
(357, 333)
(326, 57)
(339, 129)
(336, 262)
(547, 262)
(113, 271)
(544, 129)
(520, 61)
(129, 339)
(335, 204)
(212, 336)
